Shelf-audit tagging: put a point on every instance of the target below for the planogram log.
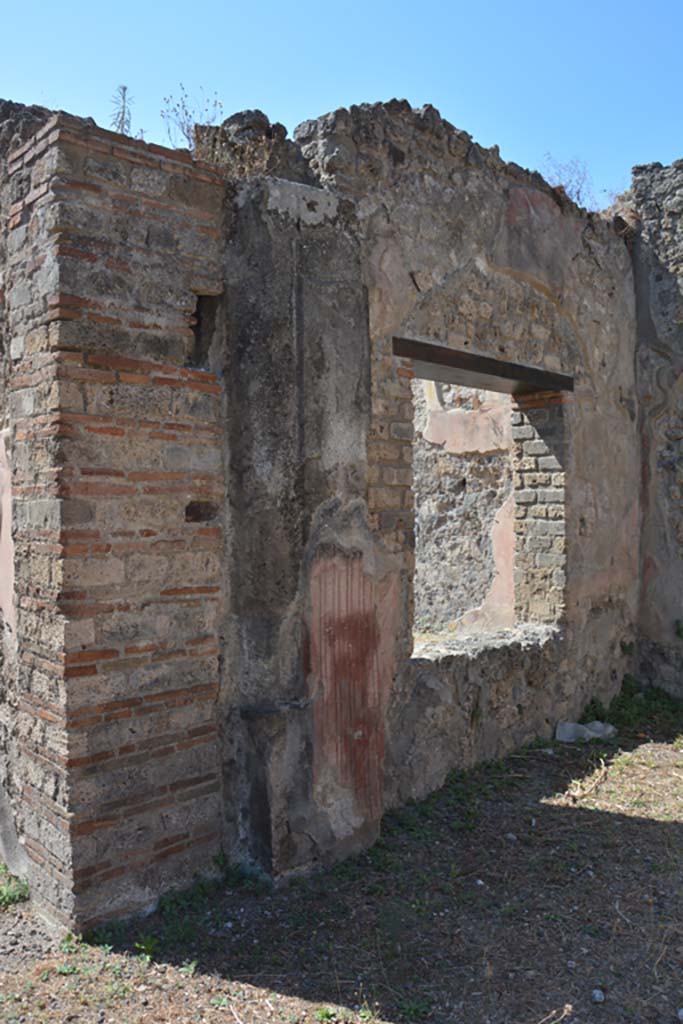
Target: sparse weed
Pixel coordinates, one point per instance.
(12, 890)
(67, 968)
(637, 708)
(69, 944)
(414, 1009)
(147, 944)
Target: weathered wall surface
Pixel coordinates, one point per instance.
(213, 488)
(301, 779)
(657, 198)
(143, 493)
(16, 124)
(464, 509)
(36, 780)
(118, 585)
(462, 249)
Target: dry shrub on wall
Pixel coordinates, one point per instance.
(182, 114)
(574, 177)
(121, 118)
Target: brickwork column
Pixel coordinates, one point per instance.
(118, 495)
(36, 733)
(390, 451)
(539, 458)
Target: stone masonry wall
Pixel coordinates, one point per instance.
(308, 617)
(35, 781)
(213, 507)
(540, 552)
(16, 124)
(461, 249)
(123, 680)
(464, 509)
(656, 204)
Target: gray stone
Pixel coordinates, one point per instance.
(571, 732)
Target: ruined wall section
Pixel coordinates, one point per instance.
(464, 509)
(134, 538)
(465, 250)
(539, 457)
(657, 199)
(16, 124)
(309, 639)
(37, 781)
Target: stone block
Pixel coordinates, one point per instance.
(526, 497)
(93, 572)
(535, 448)
(551, 560)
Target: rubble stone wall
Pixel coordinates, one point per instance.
(33, 745)
(656, 199)
(213, 489)
(462, 249)
(464, 509)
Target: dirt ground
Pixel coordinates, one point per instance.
(547, 887)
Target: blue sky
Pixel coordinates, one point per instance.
(600, 81)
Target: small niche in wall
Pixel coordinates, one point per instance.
(201, 511)
(203, 329)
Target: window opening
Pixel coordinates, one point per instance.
(488, 481)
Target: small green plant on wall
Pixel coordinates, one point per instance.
(12, 890)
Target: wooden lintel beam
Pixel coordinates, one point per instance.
(453, 366)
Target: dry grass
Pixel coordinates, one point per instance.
(506, 898)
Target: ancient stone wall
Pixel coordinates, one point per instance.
(115, 443)
(464, 509)
(36, 783)
(464, 250)
(656, 199)
(296, 370)
(539, 459)
(16, 124)
(213, 490)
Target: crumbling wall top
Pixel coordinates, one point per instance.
(370, 145)
(248, 145)
(18, 123)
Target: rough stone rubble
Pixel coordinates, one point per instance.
(211, 484)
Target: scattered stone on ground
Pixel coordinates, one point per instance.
(570, 732)
(24, 938)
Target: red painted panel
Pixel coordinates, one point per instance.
(351, 650)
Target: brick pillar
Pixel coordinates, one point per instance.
(142, 489)
(117, 490)
(539, 459)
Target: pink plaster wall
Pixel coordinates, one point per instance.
(497, 611)
(487, 428)
(483, 427)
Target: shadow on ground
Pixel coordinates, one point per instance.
(545, 887)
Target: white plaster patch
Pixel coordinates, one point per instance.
(301, 203)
